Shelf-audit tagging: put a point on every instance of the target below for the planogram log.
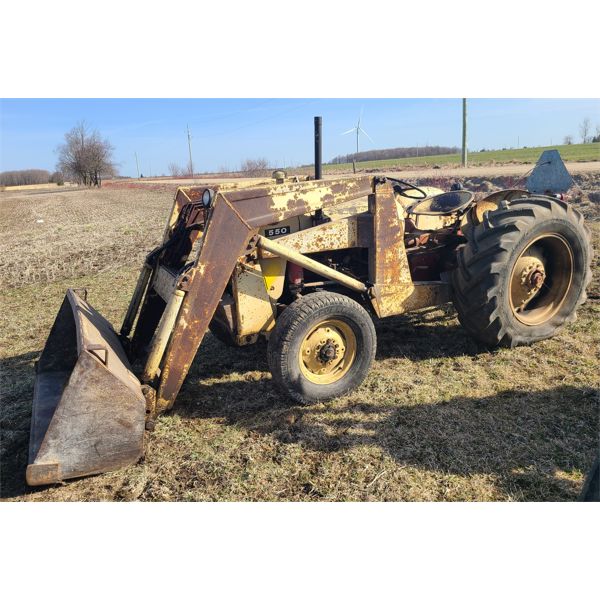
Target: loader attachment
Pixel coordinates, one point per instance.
(89, 411)
(88, 408)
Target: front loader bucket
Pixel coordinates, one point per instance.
(88, 408)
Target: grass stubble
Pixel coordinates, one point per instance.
(438, 418)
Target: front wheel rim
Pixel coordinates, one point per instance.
(327, 352)
(541, 279)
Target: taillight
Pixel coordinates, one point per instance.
(295, 274)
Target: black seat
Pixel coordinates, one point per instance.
(442, 204)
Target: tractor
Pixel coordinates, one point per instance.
(308, 265)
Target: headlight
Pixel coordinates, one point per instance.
(207, 198)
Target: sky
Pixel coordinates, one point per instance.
(227, 131)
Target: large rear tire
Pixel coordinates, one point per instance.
(322, 346)
(523, 271)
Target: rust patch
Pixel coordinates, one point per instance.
(226, 237)
(388, 263)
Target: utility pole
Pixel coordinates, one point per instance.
(190, 149)
(137, 166)
(464, 133)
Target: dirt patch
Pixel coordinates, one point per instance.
(493, 171)
(502, 172)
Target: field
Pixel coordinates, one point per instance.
(438, 418)
(573, 152)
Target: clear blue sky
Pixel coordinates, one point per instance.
(227, 131)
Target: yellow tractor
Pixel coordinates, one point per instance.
(308, 265)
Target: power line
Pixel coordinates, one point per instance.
(258, 122)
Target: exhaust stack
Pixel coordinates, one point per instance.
(318, 148)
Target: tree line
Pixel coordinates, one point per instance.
(252, 167)
(391, 153)
(25, 177)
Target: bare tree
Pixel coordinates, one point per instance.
(57, 177)
(568, 140)
(584, 130)
(255, 166)
(86, 156)
(175, 170)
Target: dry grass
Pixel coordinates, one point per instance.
(56, 236)
(438, 418)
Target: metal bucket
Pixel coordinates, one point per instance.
(88, 408)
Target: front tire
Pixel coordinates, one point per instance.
(523, 271)
(322, 347)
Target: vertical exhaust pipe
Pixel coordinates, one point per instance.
(318, 149)
(318, 163)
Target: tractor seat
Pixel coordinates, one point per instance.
(442, 204)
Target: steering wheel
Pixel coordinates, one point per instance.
(408, 186)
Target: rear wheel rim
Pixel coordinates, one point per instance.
(541, 279)
(327, 352)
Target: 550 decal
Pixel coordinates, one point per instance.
(275, 231)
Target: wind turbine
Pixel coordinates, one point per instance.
(358, 129)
